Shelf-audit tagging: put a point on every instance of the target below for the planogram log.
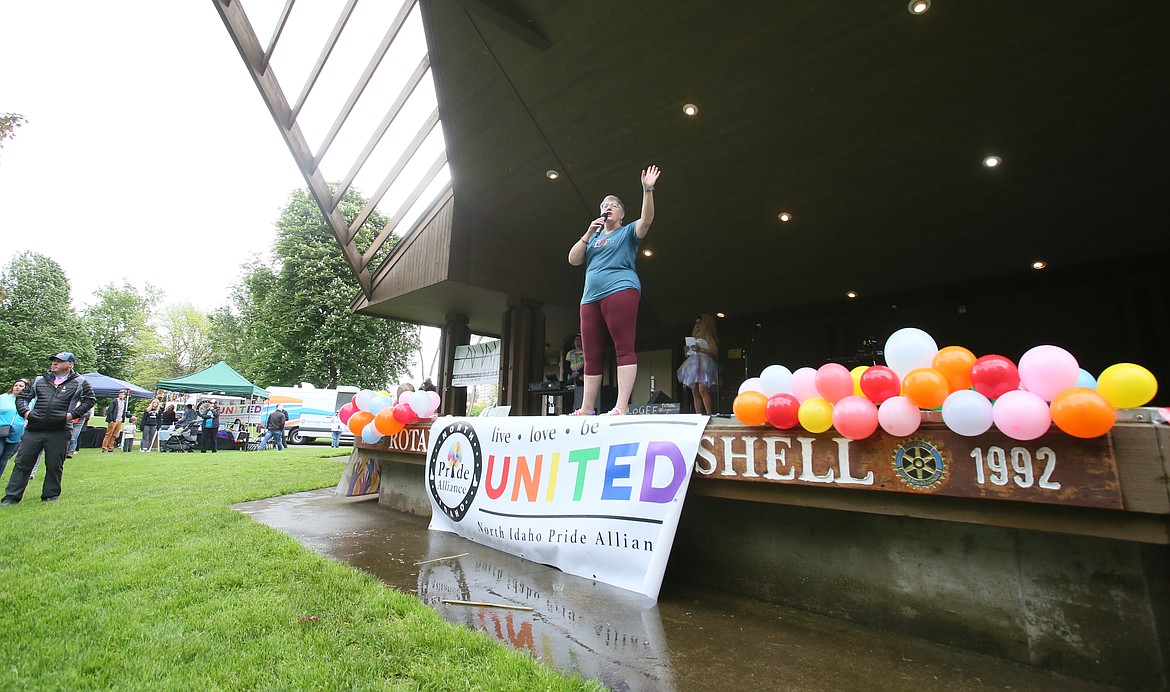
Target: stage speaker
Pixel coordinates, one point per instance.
(660, 397)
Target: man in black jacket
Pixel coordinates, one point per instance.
(62, 397)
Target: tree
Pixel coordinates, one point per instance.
(119, 324)
(295, 320)
(36, 318)
(185, 346)
(8, 124)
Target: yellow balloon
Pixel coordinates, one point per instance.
(815, 415)
(857, 373)
(1126, 385)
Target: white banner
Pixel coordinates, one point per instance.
(597, 496)
(476, 364)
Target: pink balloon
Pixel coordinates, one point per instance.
(804, 384)
(833, 382)
(434, 402)
(1021, 415)
(899, 417)
(1048, 370)
(346, 411)
(855, 417)
(419, 402)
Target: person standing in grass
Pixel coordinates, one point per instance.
(116, 414)
(335, 431)
(210, 426)
(274, 428)
(151, 418)
(11, 423)
(62, 397)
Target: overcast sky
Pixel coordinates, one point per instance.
(147, 155)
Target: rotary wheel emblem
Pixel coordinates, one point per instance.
(920, 464)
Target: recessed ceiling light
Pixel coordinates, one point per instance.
(918, 6)
(690, 109)
(851, 294)
(1039, 264)
(720, 315)
(647, 253)
(784, 216)
(992, 161)
(551, 174)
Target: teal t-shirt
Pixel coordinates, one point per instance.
(609, 263)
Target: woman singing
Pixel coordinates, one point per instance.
(609, 304)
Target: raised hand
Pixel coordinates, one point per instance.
(650, 176)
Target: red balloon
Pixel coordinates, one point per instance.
(783, 411)
(993, 376)
(404, 414)
(347, 411)
(879, 383)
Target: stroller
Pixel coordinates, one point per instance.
(183, 439)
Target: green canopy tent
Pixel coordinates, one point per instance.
(218, 378)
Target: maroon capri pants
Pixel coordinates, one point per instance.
(615, 315)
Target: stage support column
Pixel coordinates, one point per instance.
(521, 356)
(455, 333)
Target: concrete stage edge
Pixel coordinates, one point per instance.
(1082, 590)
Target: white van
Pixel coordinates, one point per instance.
(310, 410)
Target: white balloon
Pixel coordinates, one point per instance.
(776, 379)
(751, 384)
(967, 412)
(419, 402)
(363, 398)
(908, 349)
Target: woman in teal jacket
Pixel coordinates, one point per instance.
(12, 421)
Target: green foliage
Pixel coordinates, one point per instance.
(119, 325)
(37, 320)
(293, 323)
(143, 577)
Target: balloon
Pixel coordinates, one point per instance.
(967, 413)
(419, 402)
(804, 384)
(1021, 415)
(783, 410)
(383, 392)
(358, 421)
(899, 417)
(880, 383)
(993, 375)
(856, 374)
(954, 362)
(1126, 385)
(403, 413)
(385, 423)
(378, 403)
(1083, 412)
(1047, 371)
(346, 411)
(434, 402)
(362, 400)
(1086, 379)
(750, 408)
(815, 415)
(775, 379)
(926, 387)
(855, 417)
(370, 434)
(909, 349)
(833, 382)
(751, 384)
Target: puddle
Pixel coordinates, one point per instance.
(690, 639)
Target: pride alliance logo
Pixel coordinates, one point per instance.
(454, 470)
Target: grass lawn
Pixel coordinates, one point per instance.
(142, 576)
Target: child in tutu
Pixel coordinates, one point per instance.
(699, 371)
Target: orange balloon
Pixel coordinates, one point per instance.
(924, 387)
(1083, 412)
(955, 362)
(358, 421)
(751, 408)
(385, 423)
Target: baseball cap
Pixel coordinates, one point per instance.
(64, 355)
